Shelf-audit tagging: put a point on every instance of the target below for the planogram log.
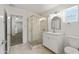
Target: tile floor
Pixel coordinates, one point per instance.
(28, 49)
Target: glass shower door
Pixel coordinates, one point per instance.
(16, 36)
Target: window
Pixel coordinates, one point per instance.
(71, 14)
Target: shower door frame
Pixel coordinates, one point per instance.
(11, 28)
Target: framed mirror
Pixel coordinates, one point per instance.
(56, 23)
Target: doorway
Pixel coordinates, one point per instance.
(16, 30)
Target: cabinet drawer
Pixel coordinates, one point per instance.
(50, 37)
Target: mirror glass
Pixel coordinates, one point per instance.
(56, 23)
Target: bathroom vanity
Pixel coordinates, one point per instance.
(53, 41)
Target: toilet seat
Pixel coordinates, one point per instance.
(70, 50)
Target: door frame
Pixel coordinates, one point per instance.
(5, 26)
(11, 28)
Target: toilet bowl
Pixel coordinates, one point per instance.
(72, 45)
(71, 50)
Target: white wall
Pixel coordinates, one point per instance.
(2, 31)
(43, 27)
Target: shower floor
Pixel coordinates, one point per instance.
(16, 39)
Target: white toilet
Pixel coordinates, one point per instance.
(73, 47)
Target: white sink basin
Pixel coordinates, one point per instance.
(54, 33)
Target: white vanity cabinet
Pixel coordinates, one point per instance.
(53, 41)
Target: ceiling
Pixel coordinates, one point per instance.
(36, 8)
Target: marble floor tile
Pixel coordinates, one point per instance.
(28, 49)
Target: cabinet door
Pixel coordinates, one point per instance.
(45, 40)
(53, 44)
(50, 42)
(57, 44)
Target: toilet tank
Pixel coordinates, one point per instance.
(73, 41)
